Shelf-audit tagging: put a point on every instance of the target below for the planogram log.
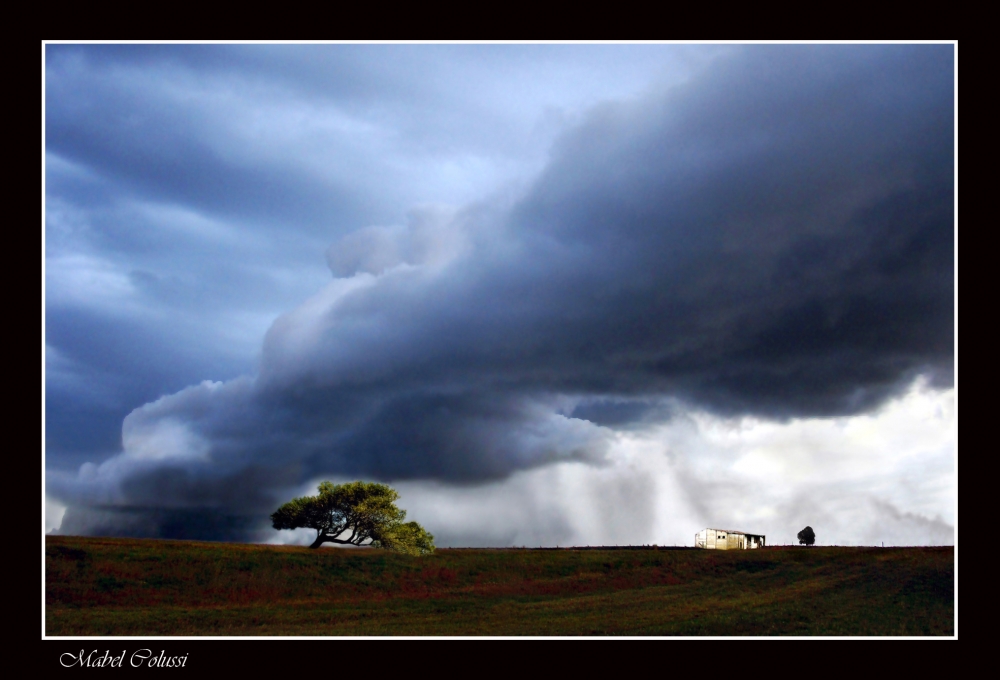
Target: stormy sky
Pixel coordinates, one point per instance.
(555, 294)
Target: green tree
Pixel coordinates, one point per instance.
(807, 536)
(357, 513)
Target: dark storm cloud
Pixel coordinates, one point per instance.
(106, 365)
(776, 239)
(192, 524)
(212, 177)
(773, 237)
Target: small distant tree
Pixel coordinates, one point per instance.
(807, 536)
(357, 513)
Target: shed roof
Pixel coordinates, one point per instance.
(733, 531)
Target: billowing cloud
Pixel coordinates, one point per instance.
(191, 190)
(770, 239)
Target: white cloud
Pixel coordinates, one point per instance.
(54, 512)
(839, 475)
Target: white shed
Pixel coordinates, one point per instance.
(725, 539)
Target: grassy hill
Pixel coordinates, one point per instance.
(112, 586)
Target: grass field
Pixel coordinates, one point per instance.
(112, 586)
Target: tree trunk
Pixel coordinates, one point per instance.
(324, 537)
(327, 538)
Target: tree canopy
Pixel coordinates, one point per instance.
(356, 513)
(807, 536)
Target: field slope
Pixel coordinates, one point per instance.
(113, 586)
